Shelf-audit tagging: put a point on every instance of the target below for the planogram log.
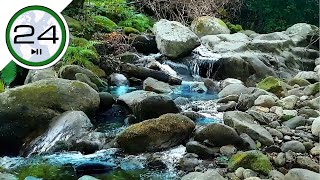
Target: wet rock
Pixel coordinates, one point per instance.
(106, 100)
(68, 127)
(145, 44)
(29, 109)
(315, 103)
(265, 101)
(315, 128)
(218, 134)
(200, 149)
(301, 174)
(208, 175)
(233, 89)
(254, 160)
(37, 75)
(86, 177)
(211, 85)
(288, 102)
(307, 163)
(189, 162)
(146, 105)
(231, 105)
(244, 123)
(154, 85)
(118, 80)
(173, 39)
(70, 71)
(295, 122)
(180, 101)
(156, 134)
(298, 81)
(85, 79)
(294, 146)
(155, 162)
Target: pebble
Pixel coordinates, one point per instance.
(276, 175)
(247, 173)
(239, 172)
(315, 150)
(307, 163)
(280, 160)
(228, 150)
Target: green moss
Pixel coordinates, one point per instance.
(253, 160)
(286, 117)
(234, 28)
(104, 24)
(46, 171)
(271, 84)
(298, 81)
(138, 21)
(316, 89)
(130, 30)
(221, 22)
(74, 25)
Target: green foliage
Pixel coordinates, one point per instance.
(234, 28)
(45, 171)
(9, 73)
(275, 15)
(137, 21)
(130, 30)
(104, 24)
(1, 90)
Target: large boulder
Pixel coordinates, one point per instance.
(146, 105)
(207, 25)
(29, 109)
(244, 123)
(174, 39)
(302, 32)
(69, 126)
(254, 160)
(234, 89)
(156, 134)
(301, 174)
(219, 135)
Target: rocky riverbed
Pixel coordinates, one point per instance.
(204, 104)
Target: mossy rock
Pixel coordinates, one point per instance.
(286, 117)
(130, 30)
(254, 160)
(104, 24)
(298, 81)
(156, 134)
(207, 25)
(273, 85)
(46, 171)
(74, 25)
(234, 28)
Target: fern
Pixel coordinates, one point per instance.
(9, 73)
(1, 86)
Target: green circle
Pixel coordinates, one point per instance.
(63, 41)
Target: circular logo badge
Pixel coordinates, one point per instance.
(36, 37)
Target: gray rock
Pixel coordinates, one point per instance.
(188, 162)
(174, 39)
(233, 89)
(307, 163)
(208, 175)
(6, 176)
(228, 98)
(265, 101)
(300, 32)
(315, 150)
(200, 149)
(239, 172)
(280, 160)
(180, 101)
(295, 122)
(227, 107)
(262, 117)
(311, 76)
(248, 141)
(247, 173)
(315, 128)
(218, 134)
(207, 25)
(154, 85)
(288, 102)
(315, 103)
(30, 108)
(294, 146)
(147, 105)
(244, 123)
(37, 75)
(118, 80)
(229, 81)
(275, 175)
(317, 61)
(301, 174)
(85, 79)
(192, 115)
(68, 127)
(228, 150)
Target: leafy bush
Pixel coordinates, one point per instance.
(234, 28)
(137, 21)
(7, 75)
(276, 15)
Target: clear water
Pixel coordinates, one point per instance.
(207, 121)
(186, 91)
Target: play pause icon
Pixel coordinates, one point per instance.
(36, 51)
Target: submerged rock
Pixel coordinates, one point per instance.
(146, 105)
(29, 109)
(68, 127)
(174, 39)
(156, 134)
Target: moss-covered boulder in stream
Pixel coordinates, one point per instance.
(27, 110)
(207, 25)
(254, 160)
(156, 134)
(273, 85)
